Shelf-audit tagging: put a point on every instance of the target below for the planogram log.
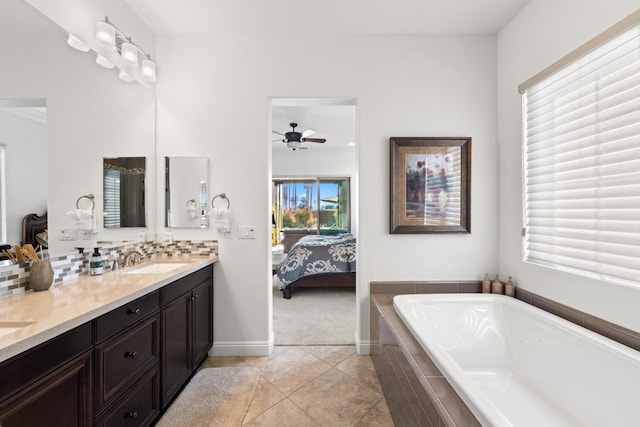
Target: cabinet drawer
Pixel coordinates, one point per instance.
(121, 360)
(125, 316)
(139, 406)
(181, 286)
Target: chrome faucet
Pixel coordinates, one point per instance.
(132, 257)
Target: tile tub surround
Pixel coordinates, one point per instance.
(389, 335)
(62, 308)
(14, 279)
(415, 390)
(610, 330)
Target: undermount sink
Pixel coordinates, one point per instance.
(8, 327)
(152, 268)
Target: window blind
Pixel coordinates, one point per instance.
(111, 198)
(582, 163)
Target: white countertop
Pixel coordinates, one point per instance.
(77, 301)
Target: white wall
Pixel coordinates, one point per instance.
(314, 162)
(213, 100)
(91, 114)
(540, 34)
(25, 168)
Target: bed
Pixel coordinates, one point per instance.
(318, 261)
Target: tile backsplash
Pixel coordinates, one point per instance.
(15, 278)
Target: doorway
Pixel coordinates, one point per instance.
(314, 155)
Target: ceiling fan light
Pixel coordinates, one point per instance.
(103, 62)
(76, 43)
(129, 52)
(106, 34)
(148, 70)
(293, 144)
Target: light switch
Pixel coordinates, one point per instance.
(67, 234)
(247, 232)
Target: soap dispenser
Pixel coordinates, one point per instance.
(96, 263)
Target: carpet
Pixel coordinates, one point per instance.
(315, 316)
(214, 397)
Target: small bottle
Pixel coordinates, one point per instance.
(96, 263)
(509, 288)
(486, 284)
(496, 286)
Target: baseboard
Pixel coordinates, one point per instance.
(242, 348)
(362, 346)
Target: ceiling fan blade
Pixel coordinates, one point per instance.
(277, 140)
(308, 132)
(279, 133)
(318, 140)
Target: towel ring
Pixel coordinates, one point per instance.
(90, 197)
(222, 196)
(191, 201)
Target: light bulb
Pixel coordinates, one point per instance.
(106, 34)
(129, 52)
(148, 70)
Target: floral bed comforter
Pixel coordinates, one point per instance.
(318, 255)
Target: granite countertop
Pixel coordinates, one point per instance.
(31, 318)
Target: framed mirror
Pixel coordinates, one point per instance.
(186, 181)
(124, 192)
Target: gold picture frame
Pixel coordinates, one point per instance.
(430, 185)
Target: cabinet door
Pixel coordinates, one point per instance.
(61, 398)
(202, 306)
(175, 346)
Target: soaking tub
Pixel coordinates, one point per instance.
(516, 365)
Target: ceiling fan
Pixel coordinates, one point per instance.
(295, 139)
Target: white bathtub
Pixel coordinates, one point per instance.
(516, 365)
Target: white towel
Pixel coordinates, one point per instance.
(191, 211)
(220, 219)
(84, 219)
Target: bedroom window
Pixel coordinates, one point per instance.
(320, 204)
(582, 159)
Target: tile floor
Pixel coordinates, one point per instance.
(313, 386)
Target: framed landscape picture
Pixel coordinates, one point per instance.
(430, 180)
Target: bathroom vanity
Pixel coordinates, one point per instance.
(134, 343)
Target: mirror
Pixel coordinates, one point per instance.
(186, 192)
(124, 192)
(90, 115)
(23, 165)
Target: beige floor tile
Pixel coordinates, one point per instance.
(379, 416)
(332, 354)
(289, 368)
(265, 397)
(223, 362)
(361, 368)
(284, 414)
(336, 399)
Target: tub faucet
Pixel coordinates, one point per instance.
(132, 257)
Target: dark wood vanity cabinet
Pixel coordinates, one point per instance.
(187, 329)
(121, 369)
(49, 384)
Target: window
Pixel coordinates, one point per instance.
(312, 203)
(582, 160)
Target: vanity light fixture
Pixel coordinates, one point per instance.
(76, 43)
(110, 36)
